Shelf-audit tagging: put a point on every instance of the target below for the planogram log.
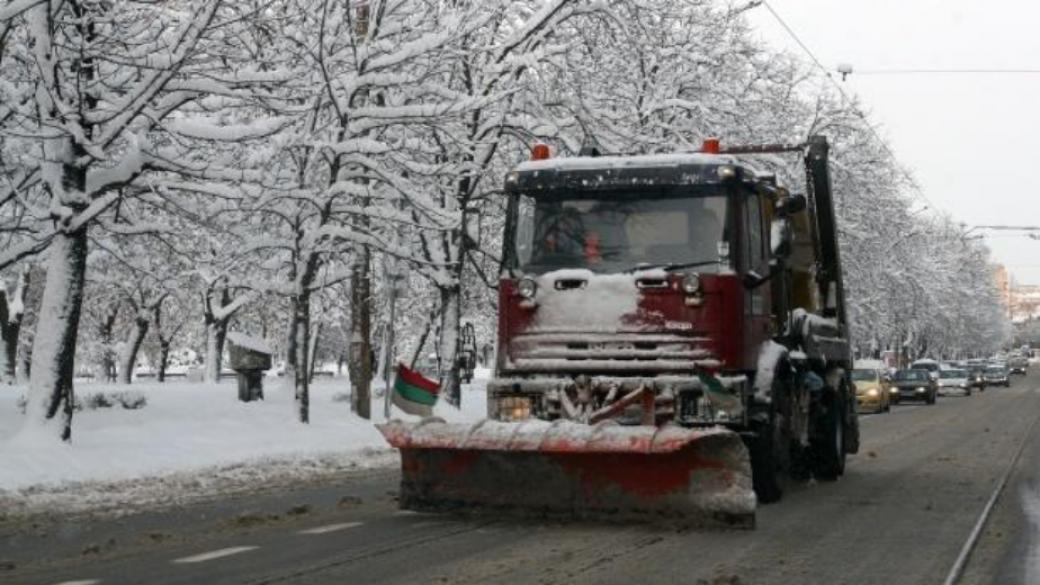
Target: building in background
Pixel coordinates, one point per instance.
(1003, 280)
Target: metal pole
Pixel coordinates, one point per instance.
(389, 361)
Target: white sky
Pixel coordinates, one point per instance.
(970, 140)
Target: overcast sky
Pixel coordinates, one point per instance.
(970, 140)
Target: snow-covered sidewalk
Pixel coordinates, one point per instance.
(192, 440)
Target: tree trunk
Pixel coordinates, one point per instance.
(24, 365)
(107, 365)
(12, 310)
(133, 346)
(9, 328)
(361, 337)
(301, 372)
(312, 352)
(164, 358)
(50, 396)
(422, 340)
(216, 333)
(450, 376)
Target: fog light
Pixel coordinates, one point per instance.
(514, 408)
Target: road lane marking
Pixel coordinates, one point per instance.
(81, 582)
(330, 528)
(957, 570)
(411, 513)
(215, 554)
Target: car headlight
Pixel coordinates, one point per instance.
(527, 288)
(893, 390)
(872, 392)
(514, 408)
(691, 284)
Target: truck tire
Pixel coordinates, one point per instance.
(829, 443)
(765, 470)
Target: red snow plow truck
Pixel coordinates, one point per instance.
(672, 339)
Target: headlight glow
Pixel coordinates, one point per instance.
(872, 392)
(514, 408)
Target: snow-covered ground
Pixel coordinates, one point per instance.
(193, 439)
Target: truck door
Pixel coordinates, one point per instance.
(757, 319)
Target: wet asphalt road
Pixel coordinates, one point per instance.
(899, 516)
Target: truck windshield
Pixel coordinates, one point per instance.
(620, 233)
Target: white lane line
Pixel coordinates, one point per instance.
(81, 582)
(329, 528)
(957, 570)
(411, 513)
(216, 554)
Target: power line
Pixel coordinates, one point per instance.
(948, 72)
(884, 144)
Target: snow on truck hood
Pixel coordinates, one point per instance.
(600, 307)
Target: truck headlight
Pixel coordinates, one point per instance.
(514, 408)
(527, 288)
(691, 284)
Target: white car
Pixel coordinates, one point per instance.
(954, 382)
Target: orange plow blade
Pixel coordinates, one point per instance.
(606, 471)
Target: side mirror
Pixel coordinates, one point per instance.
(752, 280)
(791, 205)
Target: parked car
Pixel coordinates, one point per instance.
(871, 388)
(998, 376)
(1018, 365)
(954, 382)
(915, 384)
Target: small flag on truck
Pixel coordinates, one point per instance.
(414, 393)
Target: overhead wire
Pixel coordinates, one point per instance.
(877, 135)
(948, 71)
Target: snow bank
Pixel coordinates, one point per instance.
(190, 433)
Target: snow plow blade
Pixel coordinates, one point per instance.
(692, 477)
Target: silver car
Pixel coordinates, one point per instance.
(954, 382)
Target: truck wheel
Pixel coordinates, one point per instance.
(829, 445)
(764, 466)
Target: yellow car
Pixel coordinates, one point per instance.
(872, 393)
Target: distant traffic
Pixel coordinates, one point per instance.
(880, 386)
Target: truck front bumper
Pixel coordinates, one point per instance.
(687, 400)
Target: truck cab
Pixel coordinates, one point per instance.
(627, 271)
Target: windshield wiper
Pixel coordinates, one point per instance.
(669, 266)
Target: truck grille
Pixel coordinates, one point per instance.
(617, 353)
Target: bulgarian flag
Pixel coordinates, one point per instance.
(414, 393)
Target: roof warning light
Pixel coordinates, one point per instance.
(540, 151)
